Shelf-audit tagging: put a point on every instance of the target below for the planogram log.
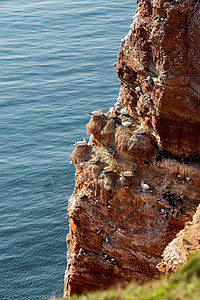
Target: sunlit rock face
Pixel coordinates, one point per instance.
(137, 180)
(185, 243)
(164, 43)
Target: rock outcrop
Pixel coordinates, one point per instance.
(161, 55)
(137, 180)
(186, 242)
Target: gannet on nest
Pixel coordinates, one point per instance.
(138, 89)
(126, 173)
(109, 169)
(80, 143)
(126, 123)
(123, 111)
(111, 111)
(96, 113)
(145, 186)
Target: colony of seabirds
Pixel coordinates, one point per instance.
(172, 198)
(163, 154)
(117, 110)
(114, 112)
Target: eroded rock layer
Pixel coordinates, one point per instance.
(186, 242)
(137, 180)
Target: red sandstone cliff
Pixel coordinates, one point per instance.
(118, 226)
(186, 242)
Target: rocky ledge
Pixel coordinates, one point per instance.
(138, 179)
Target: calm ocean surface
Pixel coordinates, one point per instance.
(56, 65)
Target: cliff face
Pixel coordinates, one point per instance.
(163, 43)
(120, 222)
(186, 242)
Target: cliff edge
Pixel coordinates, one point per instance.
(137, 180)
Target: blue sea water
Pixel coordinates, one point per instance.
(56, 65)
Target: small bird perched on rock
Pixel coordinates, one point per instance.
(118, 104)
(118, 107)
(126, 173)
(73, 255)
(81, 252)
(94, 159)
(126, 123)
(158, 19)
(108, 169)
(138, 89)
(96, 113)
(145, 186)
(107, 242)
(111, 112)
(113, 261)
(104, 256)
(188, 179)
(123, 111)
(80, 143)
(148, 79)
(67, 275)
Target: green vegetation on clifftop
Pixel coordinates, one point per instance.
(184, 284)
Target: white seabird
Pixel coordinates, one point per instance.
(118, 108)
(126, 123)
(144, 186)
(126, 173)
(94, 159)
(67, 275)
(80, 143)
(81, 252)
(108, 169)
(137, 88)
(118, 104)
(111, 110)
(188, 179)
(123, 111)
(107, 241)
(96, 113)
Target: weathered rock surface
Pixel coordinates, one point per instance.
(119, 227)
(186, 242)
(164, 43)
